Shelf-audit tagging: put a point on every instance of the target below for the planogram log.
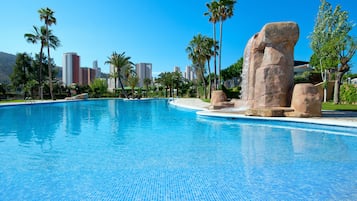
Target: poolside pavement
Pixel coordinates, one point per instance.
(338, 118)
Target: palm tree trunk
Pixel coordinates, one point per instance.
(50, 73)
(220, 51)
(40, 91)
(336, 95)
(204, 83)
(49, 63)
(209, 78)
(122, 87)
(215, 56)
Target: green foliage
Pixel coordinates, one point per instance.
(349, 93)
(21, 75)
(305, 77)
(234, 70)
(98, 87)
(330, 36)
(121, 62)
(2, 89)
(231, 93)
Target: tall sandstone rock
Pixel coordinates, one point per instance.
(271, 65)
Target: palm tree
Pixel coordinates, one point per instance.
(128, 71)
(147, 82)
(224, 11)
(39, 35)
(33, 38)
(196, 53)
(119, 61)
(166, 79)
(46, 14)
(133, 81)
(213, 17)
(114, 76)
(208, 52)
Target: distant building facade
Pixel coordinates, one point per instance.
(112, 81)
(70, 68)
(189, 73)
(177, 69)
(98, 71)
(86, 76)
(143, 71)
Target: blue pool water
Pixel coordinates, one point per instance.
(149, 150)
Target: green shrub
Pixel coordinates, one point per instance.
(231, 93)
(348, 93)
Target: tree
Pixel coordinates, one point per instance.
(98, 87)
(208, 52)
(20, 75)
(114, 76)
(197, 54)
(234, 70)
(224, 11)
(147, 82)
(176, 81)
(133, 81)
(38, 35)
(213, 18)
(120, 62)
(331, 43)
(166, 79)
(46, 14)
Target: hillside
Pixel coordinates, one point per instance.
(7, 62)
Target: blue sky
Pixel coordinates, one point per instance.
(154, 31)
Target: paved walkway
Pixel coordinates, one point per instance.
(340, 118)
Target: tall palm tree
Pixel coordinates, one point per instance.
(196, 53)
(213, 18)
(46, 14)
(120, 62)
(224, 11)
(33, 38)
(147, 82)
(39, 35)
(209, 50)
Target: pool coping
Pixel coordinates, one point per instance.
(330, 118)
(34, 102)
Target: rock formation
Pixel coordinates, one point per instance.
(306, 101)
(268, 77)
(270, 68)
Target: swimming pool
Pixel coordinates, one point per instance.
(149, 150)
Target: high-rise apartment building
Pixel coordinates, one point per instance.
(177, 69)
(189, 74)
(143, 70)
(96, 69)
(112, 82)
(70, 68)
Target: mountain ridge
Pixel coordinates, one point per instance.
(7, 62)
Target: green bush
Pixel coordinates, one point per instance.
(231, 93)
(348, 93)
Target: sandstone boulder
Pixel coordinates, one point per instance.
(306, 101)
(217, 97)
(219, 100)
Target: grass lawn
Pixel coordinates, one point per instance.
(345, 107)
(12, 101)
